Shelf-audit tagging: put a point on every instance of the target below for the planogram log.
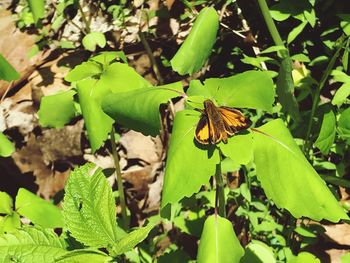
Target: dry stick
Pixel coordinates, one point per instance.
(151, 57)
(118, 175)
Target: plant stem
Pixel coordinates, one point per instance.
(151, 57)
(118, 175)
(316, 98)
(270, 24)
(87, 25)
(220, 193)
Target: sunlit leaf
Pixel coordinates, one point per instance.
(6, 146)
(84, 255)
(345, 23)
(83, 71)
(305, 257)
(258, 252)
(37, 7)
(7, 72)
(341, 94)
(38, 210)
(6, 203)
(327, 133)
(196, 49)
(94, 39)
(239, 148)
(300, 189)
(218, 243)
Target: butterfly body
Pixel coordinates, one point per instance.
(217, 124)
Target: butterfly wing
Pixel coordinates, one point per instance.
(202, 131)
(233, 119)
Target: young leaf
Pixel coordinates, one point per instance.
(56, 110)
(89, 208)
(37, 7)
(129, 241)
(139, 109)
(285, 89)
(38, 210)
(98, 123)
(189, 165)
(296, 31)
(341, 94)
(7, 72)
(345, 23)
(94, 39)
(239, 148)
(327, 133)
(106, 57)
(84, 255)
(31, 245)
(196, 49)
(84, 70)
(218, 243)
(6, 203)
(251, 89)
(258, 252)
(6, 146)
(300, 190)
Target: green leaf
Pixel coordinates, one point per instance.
(239, 148)
(94, 39)
(10, 223)
(257, 87)
(296, 31)
(6, 146)
(84, 70)
(345, 258)
(196, 49)
(139, 109)
(344, 125)
(89, 207)
(258, 252)
(106, 57)
(285, 89)
(84, 255)
(218, 243)
(189, 165)
(305, 257)
(31, 245)
(129, 241)
(98, 123)
(177, 256)
(299, 190)
(345, 23)
(341, 94)
(7, 72)
(327, 134)
(6, 203)
(37, 7)
(57, 110)
(38, 210)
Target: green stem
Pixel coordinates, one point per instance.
(316, 98)
(86, 23)
(270, 24)
(118, 175)
(220, 192)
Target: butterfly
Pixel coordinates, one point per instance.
(219, 123)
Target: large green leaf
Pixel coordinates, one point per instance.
(327, 133)
(31, 245)
(7, 72)
(129, 241)
(37, 7)
(189, 165)
(289, 179)
(218, 243)
(6, 146)
(38, 210)
(56, 110)
(285, 88)
(6, 203)
(239, 148)
(251, 89)
(84, 70)
(98, 123)
(89, 207)
(258, 252)
(196, 49)
(139, 109)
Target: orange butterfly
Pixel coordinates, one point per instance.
(218, 123)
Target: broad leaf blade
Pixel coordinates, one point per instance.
(94, 39)
(56, 110)
(6, 146)
(89, 208)
(239, 148)
(7, 72)
(139, 109)
(189, 165)
(289, 179)
(327, 133)
(251, 89)
(129, 241)
(37, 7)
(219, 243)
(196, 49)
(31, 245)
(6, 203)
(258, 252)
(84, 70)
(38, 210)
